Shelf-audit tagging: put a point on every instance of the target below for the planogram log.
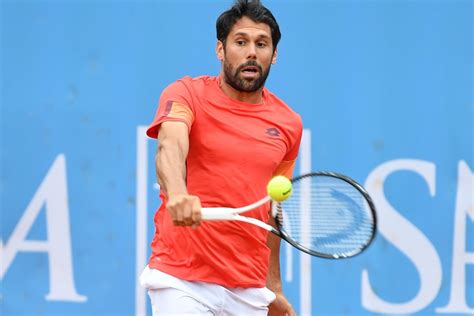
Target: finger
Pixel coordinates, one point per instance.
(196, 211)
(187, 213)
(179, 215)
(196, 217)
(171, 210)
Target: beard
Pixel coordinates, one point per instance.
(232, 77)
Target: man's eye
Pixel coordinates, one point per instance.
(240, 42)
(261, 44)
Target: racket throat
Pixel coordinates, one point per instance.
(256, 222)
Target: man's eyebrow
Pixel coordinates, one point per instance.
(260, 36)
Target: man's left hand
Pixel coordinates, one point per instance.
(280, 307)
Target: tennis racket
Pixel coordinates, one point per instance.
(328, 215)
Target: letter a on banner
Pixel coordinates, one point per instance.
(52, 193)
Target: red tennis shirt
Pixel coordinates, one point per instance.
(234, 150)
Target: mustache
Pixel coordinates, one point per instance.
(250, 63)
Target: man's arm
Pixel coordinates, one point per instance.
(273, 276)
(170, 162)
(280, 306)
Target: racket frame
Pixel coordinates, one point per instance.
(228, 213)
(284, 235)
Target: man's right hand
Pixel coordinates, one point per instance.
(185, 210)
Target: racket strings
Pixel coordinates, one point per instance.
(327, 215)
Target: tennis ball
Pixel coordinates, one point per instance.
(279, 188)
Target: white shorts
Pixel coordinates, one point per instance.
(172, 296)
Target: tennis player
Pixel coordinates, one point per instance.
(220, 140)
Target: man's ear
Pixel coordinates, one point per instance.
(274, 58)
(220, 50)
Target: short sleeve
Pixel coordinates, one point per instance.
(286, 166)
(295, 140)
(176, 104)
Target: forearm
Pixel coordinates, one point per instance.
(170, 162)
(273, 276)
(171, 168)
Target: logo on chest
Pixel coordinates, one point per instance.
(272, 132)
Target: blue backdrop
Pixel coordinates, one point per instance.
(385, 90)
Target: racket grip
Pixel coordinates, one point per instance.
(217, 213)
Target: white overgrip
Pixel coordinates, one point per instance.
(228, 213)
(217, 213)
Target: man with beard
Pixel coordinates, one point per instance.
(220, 140)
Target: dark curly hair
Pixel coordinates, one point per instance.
(255, 11)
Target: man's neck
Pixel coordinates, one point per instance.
(248, 97)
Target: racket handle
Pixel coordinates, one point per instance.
(217, 213)
(228, 213)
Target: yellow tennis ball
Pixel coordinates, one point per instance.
(279, 188)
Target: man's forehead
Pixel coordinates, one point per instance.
(246, 26)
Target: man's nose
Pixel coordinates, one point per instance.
(252, 52)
